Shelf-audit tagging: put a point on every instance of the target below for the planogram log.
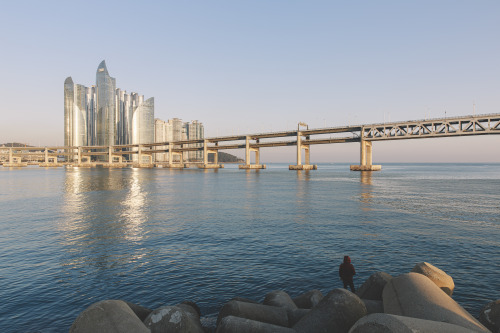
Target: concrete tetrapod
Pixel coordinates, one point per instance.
(231, 324)
(373, 306)
(140, 311)
(259, 312)
(436, 275)
(489, 316)
(386, 323)
(309, 299)
(414, 295)
(336, 312)
(107, 317)
(372, 288)
(179, 318)
(281, 299)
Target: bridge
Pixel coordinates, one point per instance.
(144, 155)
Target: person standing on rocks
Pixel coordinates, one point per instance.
(346, 273)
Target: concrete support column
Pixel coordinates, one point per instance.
(140, 154)
(308, 154)
(110, 154)
(299, 148)
(368, 152)
(11, 156)
(46, 155)
(216, 157)
(247, 151)
(79, 155)
(170, 154)
(362, 158)
(205, 152)
(257, 156)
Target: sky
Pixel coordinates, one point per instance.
(243, 67)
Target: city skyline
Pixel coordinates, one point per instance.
(261, 67)
(104, 115)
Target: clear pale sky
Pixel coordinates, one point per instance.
(257, 66)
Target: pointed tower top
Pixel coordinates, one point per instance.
(102, 67)
(68, 80)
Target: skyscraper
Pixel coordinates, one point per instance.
(103, 115)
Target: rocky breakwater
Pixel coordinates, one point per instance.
(418, 301)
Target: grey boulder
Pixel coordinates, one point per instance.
(436, 275)
(259, 312)
(279, 298)
(112, 316)
(490, 316)
(180, 318)
(372, 288)
(309, 299)
(231, 324)
(386, 323)
(336, 312)
(414, 295)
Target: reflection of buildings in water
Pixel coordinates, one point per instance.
(134, 208)
(103, 210)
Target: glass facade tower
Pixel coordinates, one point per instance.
(103, 115)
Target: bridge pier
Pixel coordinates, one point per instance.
(207, 151)
(171, 155)
(365, 158)
(306, 147)
(248, 150)
(14, 161)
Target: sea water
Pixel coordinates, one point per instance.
(70, 237)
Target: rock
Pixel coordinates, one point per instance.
(309, 299)
(281, 299)
(490, 316)
(373, 287)
(180, 318)
(336, 312)
(414, 295)
(231, 324)
(386, 323)
(108, 316)
(259, 312)
(373, 306)
(439, 277)
(139, 310)
(295, 315)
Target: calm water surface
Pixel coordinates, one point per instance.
(72, 237)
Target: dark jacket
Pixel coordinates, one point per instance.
(346, 269)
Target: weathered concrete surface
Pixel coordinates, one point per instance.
(279, 298)
(243, 299)
(178, 318)
(489, 316)
(210, 166)
(309, 299)
(415, 295)
(140, 311)
(386, 323)
(259, 312)
(336, 312)
(252, 166)
(373, 167)
(295, 315)
(373, 306)
(372, 288)
(108, 316)
(303, 167)
(231, 324)
(436, 275)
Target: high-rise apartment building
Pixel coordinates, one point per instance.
(175, 130)
(103, 115)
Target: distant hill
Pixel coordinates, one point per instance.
(14, 144)
(225, 158)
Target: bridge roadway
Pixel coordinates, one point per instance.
(143, 154)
